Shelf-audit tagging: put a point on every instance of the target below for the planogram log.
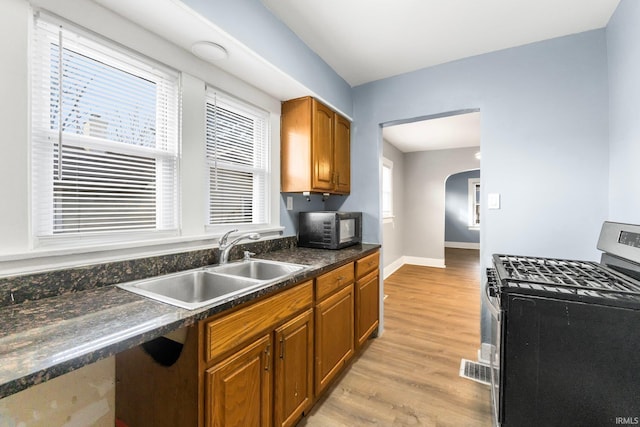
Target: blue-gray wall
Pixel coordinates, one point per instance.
(544, 140)
(623, 48)
(544, 136)
(289, 219)
(456, 217)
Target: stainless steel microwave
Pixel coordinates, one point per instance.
(329, 229)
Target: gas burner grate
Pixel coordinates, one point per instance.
(563, 276)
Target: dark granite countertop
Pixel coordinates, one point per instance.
(42, 339)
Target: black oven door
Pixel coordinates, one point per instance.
(568, 363)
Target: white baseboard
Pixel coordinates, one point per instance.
(462, 245)
(425, 262)
(391, 268)
(413, 260)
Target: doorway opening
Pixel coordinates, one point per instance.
(462, 212)
(418, 156)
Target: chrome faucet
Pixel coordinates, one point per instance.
(225, 247)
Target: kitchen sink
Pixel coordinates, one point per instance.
(258, 269)
(193, 289)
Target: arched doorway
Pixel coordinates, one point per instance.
(462, 210)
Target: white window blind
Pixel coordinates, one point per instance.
(237, 160)
(104, 137)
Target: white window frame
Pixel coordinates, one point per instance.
(261, 213)
(45, 139)
(387, 215)
(474, 205)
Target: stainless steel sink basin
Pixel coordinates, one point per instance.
(206, 286)
(191, 289)
(258, 269)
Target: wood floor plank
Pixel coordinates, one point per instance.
(409, 375)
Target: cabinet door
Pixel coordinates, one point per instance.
(239, 388)
(342, 154)
(322, 148)
(293, 369)
(334, 336)
(367, 306)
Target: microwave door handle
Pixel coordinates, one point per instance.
(495, 311)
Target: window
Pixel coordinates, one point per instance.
(104, 137)
(474, 203)
(387, 189)
(237, 160)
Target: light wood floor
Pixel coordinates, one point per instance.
(409, 375)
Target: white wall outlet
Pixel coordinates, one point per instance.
(289, 203)
(493, 201)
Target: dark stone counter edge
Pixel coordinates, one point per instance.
(29, 379)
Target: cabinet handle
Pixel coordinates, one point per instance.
(281, 347)
(340, 278)
(267, 357)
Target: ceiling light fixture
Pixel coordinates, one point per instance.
(209, 51)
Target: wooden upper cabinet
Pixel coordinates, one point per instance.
(342, 154)
(315, 148)
(322, 177)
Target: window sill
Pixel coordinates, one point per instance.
(45, 259)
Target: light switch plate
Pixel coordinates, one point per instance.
(493, 201)
(289, 203)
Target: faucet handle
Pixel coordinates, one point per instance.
(248, 255)
(223, 240)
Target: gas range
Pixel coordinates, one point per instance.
(564, 346)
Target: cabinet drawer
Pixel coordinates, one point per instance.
(333, 280)
(228, 332)
(367, 264)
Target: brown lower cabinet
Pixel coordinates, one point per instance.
(261, 364)
(238, 389)
(367, 297)
(334, 337)
(293, 369)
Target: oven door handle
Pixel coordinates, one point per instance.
(495, 310)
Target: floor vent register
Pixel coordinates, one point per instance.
(475, 371)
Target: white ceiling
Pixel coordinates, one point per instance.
(367, 40)
(459, 131)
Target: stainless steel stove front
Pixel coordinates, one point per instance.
(490, 296)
